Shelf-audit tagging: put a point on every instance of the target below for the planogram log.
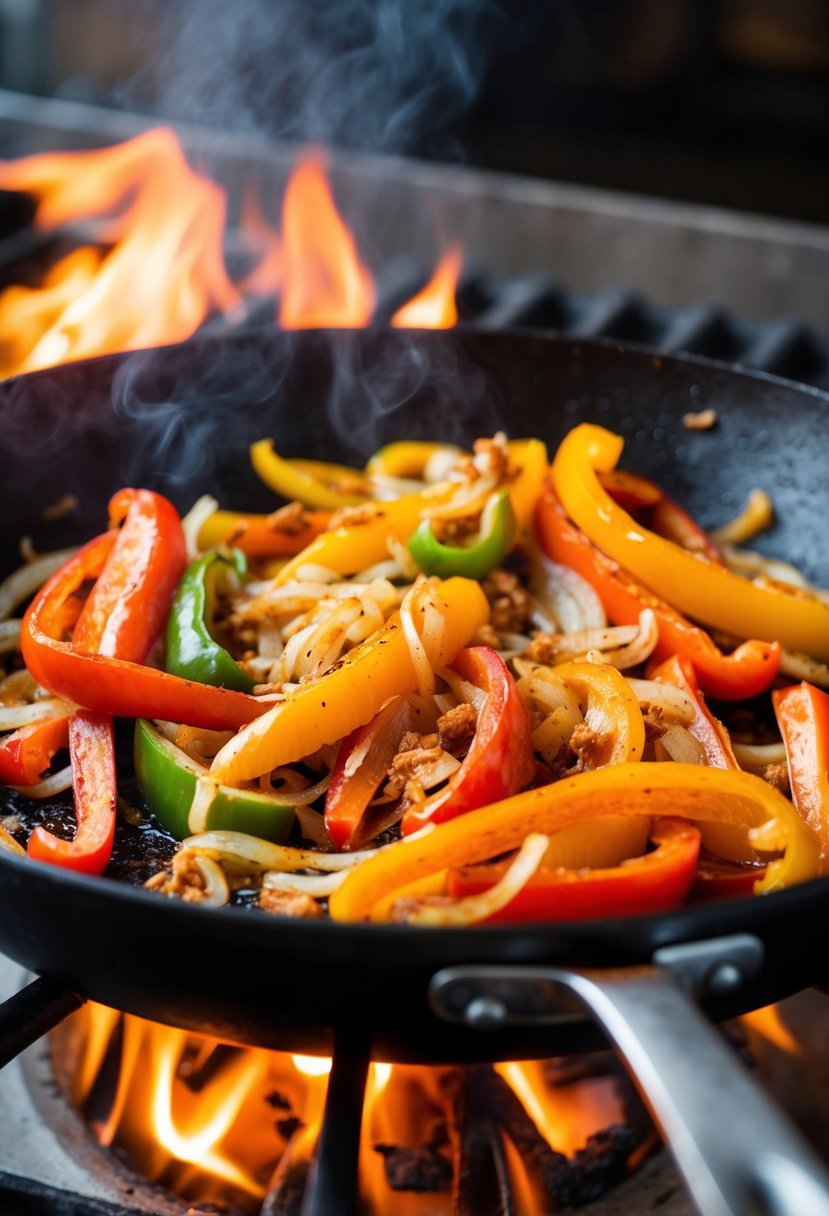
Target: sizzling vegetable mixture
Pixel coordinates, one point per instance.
(450, 688)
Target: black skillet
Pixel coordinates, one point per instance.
(179, 420)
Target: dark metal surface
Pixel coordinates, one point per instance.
(30, 1013)
(180, 420)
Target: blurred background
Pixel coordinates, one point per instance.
(719, 101)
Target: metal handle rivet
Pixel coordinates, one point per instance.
(486, 1013)
(724, 978)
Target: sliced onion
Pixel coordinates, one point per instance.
(9, 636)
(475, 908)
(569, 598)
(755, 756)
(469, 500)
(206, 790)
(640, 648)
(55, 783)
(675, 704)
(681, 746)
(312, 826)
(464, 691)
(798, 666)
(417, 651)
(243, 851)
(756, 516)
(193, 522)
(12, 717)
(318, 885)
(27, 579)
(297, 796)
(216, 889)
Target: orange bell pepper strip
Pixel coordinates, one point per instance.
(25, 754)
(748, 671)
(355, 547)
(706, 591)
(500, 759)
(653, 882)
(110, 685)
(610, 710)
(329, 707)
(687, 791)
(261, 535)
(802, 713)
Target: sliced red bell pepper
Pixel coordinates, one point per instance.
(748, 671)
(362, 762)
(719, 879)
(500, 760)
(92, 751)
(654, 882)
(260, 535)
(802, 713)
(648, 502)
(126, 609)
(25, 754)
(705, 728)
(111, 685)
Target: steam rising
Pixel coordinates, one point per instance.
(391, 76)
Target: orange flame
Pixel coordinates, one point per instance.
(434, 307)
(149, 267)
(162, 276)
(325, 282)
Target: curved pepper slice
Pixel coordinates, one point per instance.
(315, 483)
(686, 791)
(611, 711)
(126, 609)
(92, 752)
(25, 754)
(167, 777)
(262, 535)
(653, 882)
(658, 511)
(407, 457)
(802, 713)
(500, 759)
(325, 709)
(748, 671)
(357, 546)
(487, 550)
(111, 685)
(708, 592)
(191, 652)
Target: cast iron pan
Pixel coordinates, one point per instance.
(179, 420)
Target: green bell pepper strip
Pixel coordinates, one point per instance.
(494, 542)
(167, 778)
(191, 651)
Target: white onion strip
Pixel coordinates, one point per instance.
(56, 783)
(27, 579)
(12, 717)
(570, 599)
(193, 522)
(317, 885)
(417, 650)
(755, 756)
(681, 746)
(9, 635)
(299, 795)
(216, 889)
(675, 704)
(475, 908)
(249, 852)
(798, 666)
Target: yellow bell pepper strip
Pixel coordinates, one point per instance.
(355, 547)
(706, 591)
(475, 560)
(500, 758)
(328, 707)
(749, 670)
(686, 791)
(802, 713)
(610, 710)
(313, 483)
(407, 458)
(262, 535)
(653, 882)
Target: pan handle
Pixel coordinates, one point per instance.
(738, 1154)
